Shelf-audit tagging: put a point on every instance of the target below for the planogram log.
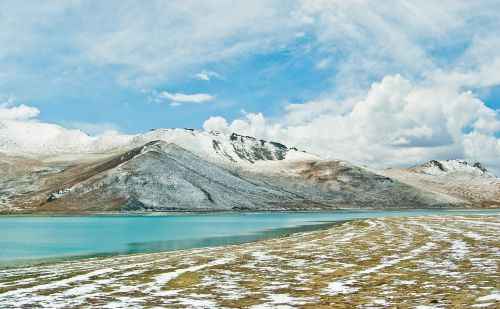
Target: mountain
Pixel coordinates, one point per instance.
(470, 183)
(49, 169)
(447, 167)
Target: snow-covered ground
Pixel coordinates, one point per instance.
(424, 262)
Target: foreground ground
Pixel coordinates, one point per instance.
(438, 261)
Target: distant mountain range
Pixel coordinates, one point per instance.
(47, 169)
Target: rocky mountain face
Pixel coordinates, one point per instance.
(54, 170)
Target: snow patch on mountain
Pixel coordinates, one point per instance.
(59, 193)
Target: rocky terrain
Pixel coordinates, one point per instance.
(49, 169)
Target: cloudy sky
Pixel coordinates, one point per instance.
(389, 83)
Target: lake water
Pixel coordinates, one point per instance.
(26, 240)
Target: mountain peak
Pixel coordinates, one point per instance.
(219, 146)
(480, 167)
(436, 167)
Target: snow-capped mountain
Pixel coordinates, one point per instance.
(49, 169)
(443, 167)
(217, 146)
(35, 139)
(452, 179)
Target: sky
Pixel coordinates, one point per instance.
(391, 83)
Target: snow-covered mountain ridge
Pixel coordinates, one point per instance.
(442, 167)
(35, 139)
(451, 178)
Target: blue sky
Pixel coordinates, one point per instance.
(70, 93)
(276, 69)
(263, 83)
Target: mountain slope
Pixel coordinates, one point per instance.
(345, 185)
(162, 176)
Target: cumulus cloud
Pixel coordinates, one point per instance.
(10, 111)
(216, 123)
(252, 124)
(397, 122)
(208, 75)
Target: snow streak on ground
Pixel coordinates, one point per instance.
(420, 262)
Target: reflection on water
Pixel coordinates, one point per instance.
(156, 246)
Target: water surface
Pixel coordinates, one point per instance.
(35, 239)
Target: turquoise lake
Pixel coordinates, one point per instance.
(26, 240)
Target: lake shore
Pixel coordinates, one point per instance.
(230, 212)
(407, 261)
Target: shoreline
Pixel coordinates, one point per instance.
(228, 212)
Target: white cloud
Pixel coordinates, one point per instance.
(187, 34)
(397, 122)
(186, 98)
(137, 44)
(177, 99)
(208, 75)
(368, 41)
(9, 111)
(20, 112)
(148, 43)
(216, 124)
(253, 125)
